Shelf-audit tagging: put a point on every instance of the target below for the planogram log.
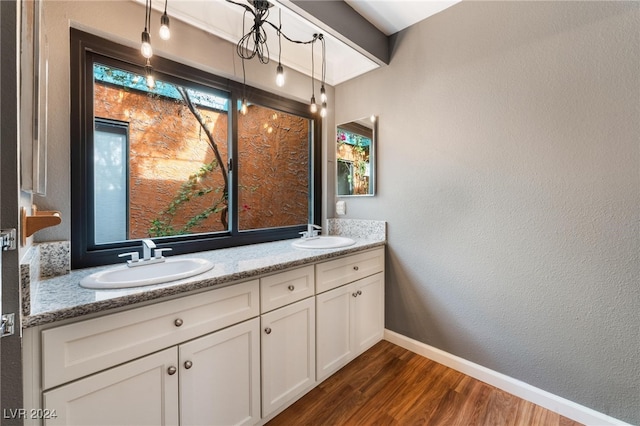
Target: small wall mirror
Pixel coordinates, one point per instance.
(355, 157)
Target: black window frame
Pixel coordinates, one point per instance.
(84, 47)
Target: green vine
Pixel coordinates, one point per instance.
(162, 226)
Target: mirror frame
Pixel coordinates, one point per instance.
(374, 119)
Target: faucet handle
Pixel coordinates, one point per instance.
(157, 253)
(135, 256)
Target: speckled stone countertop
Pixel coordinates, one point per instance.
(62, 297)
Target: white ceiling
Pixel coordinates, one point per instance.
(344, 62)
(391, 16)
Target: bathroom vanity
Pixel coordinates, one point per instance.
(227, 350)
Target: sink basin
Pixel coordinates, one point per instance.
(155, 273)
(323, 242)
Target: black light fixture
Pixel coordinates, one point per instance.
(165, 32)
(280, 70)
(254, 43)
(145, 47)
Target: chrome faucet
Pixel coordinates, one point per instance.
(311, 232)
(150, 254)
(147, 246)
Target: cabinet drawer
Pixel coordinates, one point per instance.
(76, 350)
(341, 271)
(286, 287)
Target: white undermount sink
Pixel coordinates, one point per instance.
(323, 242)
(154, 273)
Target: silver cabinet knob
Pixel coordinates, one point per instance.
(188, 364)
(172, 370)
(291, 288)
(355, 268)
(178, 322)
(267, 330)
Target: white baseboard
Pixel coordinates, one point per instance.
(562, 406)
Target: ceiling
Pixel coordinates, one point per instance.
(345, 58)
(391, 16)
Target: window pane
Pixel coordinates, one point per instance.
(110, 182)
(273, 169)
(176, 184)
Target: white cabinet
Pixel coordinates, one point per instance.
(220, 377)
(368, 312)
(212, 380)
(235, 355)
(141, 392)
(288, 354)
(335, 331)
(350, 317)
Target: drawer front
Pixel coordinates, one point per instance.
(286, 287)
(76, 350)
(347, 269)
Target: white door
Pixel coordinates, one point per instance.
(140, 392)
(334, 328)
(369, 312)
(288, 353)
(220, 377)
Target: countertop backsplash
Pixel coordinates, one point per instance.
(42, 261)
(358, 228)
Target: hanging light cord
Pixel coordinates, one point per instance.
(313, 88)
(279, 35)
(147, 18)
(254, 42)
(324, 62)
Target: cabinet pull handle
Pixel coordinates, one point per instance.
(291, 288)
(171, 370)
(267, 330)
(354, 294)
(355, 268)
(359, 292)
(188, 364)
(178, 322)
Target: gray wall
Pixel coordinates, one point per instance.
(509, 174)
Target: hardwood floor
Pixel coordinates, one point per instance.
(388, 385)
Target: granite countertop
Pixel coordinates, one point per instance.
(62, 297)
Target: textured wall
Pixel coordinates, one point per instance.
(508, 172)
(167, 146)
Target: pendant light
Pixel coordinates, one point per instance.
(165, 32)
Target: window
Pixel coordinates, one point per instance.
(178, 163)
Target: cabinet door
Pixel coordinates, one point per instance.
(141, 392)
(335, 330)
(220, 377)
(288, 353)
(369, 312)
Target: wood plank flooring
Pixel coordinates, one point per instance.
(388, 385)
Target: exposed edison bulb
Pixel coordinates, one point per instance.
(323, 94)
(323, 110)
(313, 107)
(151, 82)
(148, 72)
(280, 76)
(244, 108)
(165, 33)
(145, 48)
